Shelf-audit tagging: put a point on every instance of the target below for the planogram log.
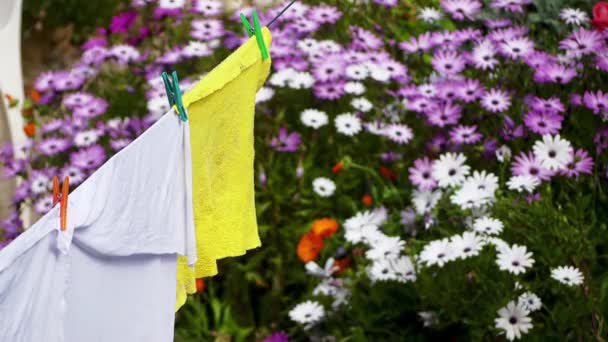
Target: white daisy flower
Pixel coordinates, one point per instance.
(483, 181)
(157, 106)
(324, 187)
(503, 153)
(313, 118)
(368, 233)
(282, 77)
(308, 45)
(264, 94)
(376, 127)
(529, 301)
(553, 152)
(573, 16)
(376, 217)
(197, 49)
(514, 320)
(429, 14)
(498, 243)
(399, 133)
(514, 259)
(429, 318)
(427, 90)
(467, 245)
(399, 269)
(437, 252)
(389, 247)
(488, 226)
(348, 124)
(361, 104)
(328, 45)
(425, 201)
(86, 138)
(357, 72)
(40, 184)
(470, 196)
(567, 275)
(523, 183)
(314, 269)
(378, 73)
(307, 313)
(404, 268)
(450, 170)
(171, 4)
(301, 80)
(354, 88)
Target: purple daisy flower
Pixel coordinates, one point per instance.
(119, 144)
(547, 122)
(121, 23)
(329, 70)
(364, 39)
(13, 167)
(170, 57)
(537, 59)
(510, 130)
(207, 29)
(67, 81)
(43, 204)
(517, 47)
(496, 100)
(324, 14)
(464, 135)
(470, 90)
(94, 42)
(420, 105)
(52, 146)
(78, 99)
(124, 54)
(6, 152)
(209, 8)
(596, 102)
(422, 43)
(91, 110)
(278, 336)
(497, 23)
(527, 164)
(386, 3)
(75, 173)
(447, 90)
(552, 104)
(483, 56)
(582, 42)
(581, 163)
(303, 25)
(448, 62)
(554, 73)
(94, 56)
(45, 81)
(444, 114)
(489, 148)
(88, 158)
(421, 174)
(448, 40)
(390, 156)
(501, 35)
(329, 91)
(601, 139)
(22, 192)
(515, 6)
(461, 9)
(286, 142)
(12, 225)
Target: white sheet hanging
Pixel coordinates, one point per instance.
(114, 280)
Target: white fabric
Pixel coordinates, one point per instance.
(111, 275)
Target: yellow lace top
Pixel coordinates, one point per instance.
(221, 115)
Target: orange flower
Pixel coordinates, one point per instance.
(309, 247)
(200, 285)
(388, 173)
(337, 168)
(30, 129)
(324, 227)
(35, 96)
(367, 200)
(342, 264)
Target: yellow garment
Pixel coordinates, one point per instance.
(221, 114)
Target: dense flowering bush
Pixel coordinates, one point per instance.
(425, 169)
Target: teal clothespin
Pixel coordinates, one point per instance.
(174, 94)
(257, 31)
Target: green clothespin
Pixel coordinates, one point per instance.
(174, 94)
(257, 31)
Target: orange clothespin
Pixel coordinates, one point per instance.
(63, 209)
(55, 190)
